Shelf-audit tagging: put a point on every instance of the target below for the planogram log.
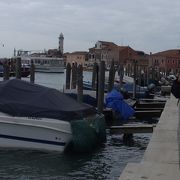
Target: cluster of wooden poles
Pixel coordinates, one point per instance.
(74, 79)
(17, 69)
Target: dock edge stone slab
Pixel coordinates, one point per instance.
(161, 159)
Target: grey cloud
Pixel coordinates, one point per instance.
(144, 25)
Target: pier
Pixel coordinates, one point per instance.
(161, 160)
(132, 128)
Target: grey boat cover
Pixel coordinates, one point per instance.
(24, 99)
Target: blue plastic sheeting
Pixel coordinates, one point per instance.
(114, 100)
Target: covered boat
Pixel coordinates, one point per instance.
(37, 117)
(115, 100)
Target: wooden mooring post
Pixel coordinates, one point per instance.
(80, 83)
(135, 79)
(121, 74)
(6, 71)
(95, 79)
(101, 86)
(68, 75)
(94, 76)
(111, 77)
(32, 72)
(18, 68)
(74, 76)
(128, 139)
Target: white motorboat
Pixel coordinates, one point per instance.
(34, 133)
(37, 117)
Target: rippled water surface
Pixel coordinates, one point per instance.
(106, 162)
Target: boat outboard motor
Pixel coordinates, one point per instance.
(151, 87)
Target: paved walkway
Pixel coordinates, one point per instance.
(161, 159)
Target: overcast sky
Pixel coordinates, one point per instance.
(150, 26)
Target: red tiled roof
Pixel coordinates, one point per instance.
(108, 43)
(169, 53)
(79, 52)
(122, 47)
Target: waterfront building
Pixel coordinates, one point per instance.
(130, 56)
(168, 62)
(79, 57)
(104, 51)
(122, 55)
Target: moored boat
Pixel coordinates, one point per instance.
(48, 64)
(43, 62)
(25, 71)
(34, 133)
(37, 117)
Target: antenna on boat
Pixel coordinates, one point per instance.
(2, 44)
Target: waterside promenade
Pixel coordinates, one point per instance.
(161, 160)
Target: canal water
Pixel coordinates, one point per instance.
(105, 163)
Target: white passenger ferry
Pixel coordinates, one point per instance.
(43, 63)
(48, 64)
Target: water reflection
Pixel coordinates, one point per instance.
(106, 162)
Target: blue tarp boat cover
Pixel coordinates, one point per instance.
(22, 98)
(114, 100)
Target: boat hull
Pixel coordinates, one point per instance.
(49, 69)
(38, 134)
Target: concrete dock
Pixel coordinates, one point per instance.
(161, 160)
